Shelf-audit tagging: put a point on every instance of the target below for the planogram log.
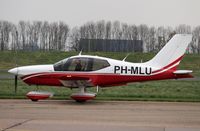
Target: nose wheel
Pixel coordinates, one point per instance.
(82, 95)
(39, 95)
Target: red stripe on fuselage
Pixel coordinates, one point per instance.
(101, 79)
(171, 64)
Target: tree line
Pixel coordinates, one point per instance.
(46, 36)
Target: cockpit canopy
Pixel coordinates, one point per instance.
(81, 64)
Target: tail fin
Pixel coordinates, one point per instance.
(172, 52)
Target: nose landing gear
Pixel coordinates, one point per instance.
(38, 95)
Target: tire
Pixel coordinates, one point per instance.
(81, 101)
(34, 100)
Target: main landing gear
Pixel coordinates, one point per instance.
(82, 95)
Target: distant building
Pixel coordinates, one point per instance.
(107, 45)
(31, 47)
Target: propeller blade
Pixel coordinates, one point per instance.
(15, 84)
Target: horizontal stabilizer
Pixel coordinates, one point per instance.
(182, 72)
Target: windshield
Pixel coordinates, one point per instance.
(81, 64)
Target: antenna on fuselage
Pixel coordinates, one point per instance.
(126, 57)
(80, 53)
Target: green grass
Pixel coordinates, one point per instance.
(169, 90)
(158, 90)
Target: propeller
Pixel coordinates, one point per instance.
(16, 78)
(16, 73)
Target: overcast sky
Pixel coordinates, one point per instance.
(77, 12)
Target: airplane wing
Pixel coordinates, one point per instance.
(76, 81)
(183, 74)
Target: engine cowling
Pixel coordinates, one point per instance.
(82, 97)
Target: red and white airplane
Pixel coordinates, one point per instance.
(84, 71)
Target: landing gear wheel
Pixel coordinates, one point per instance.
(80, 101)
(83, 96)
(34, 100)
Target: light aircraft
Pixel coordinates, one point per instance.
(84, 71)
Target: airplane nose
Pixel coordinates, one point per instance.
(13, 71)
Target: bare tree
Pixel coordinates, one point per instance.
(161, 37)
(183, 29)
(100, 29)
(5, 31)
(54, 36)
(15, 45)
(133, 32)
(116, 30)
(62, 35)
(143, 32)
(108, 30)
(152, 39)
(22, 33)
(125, 31)
(75, 38)
(44, 39)
(91, 30)
(196, 40)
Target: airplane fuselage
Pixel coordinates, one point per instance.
(116, 73)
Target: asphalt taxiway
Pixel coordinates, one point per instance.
(61, 115)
